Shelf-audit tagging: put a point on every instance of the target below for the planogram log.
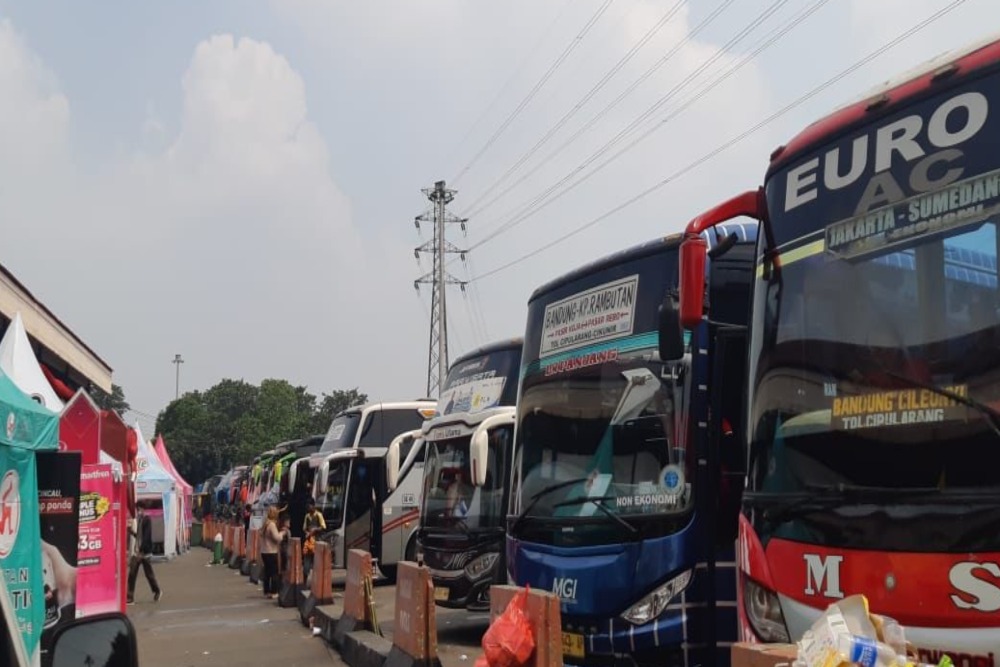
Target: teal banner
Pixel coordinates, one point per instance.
(20, 535)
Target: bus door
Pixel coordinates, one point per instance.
(728, 402)
(362, 499)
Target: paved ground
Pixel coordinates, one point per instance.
(212, 616)
(460, 632)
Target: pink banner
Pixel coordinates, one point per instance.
(98, 570)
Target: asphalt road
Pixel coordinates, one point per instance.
(212, 616)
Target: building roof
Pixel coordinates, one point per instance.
(48, 330)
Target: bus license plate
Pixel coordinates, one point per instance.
(572, 645)
(440, 593)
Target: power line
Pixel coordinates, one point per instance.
(624, 60)
(609, 107)
(540, 203)
(735, 140)
(493, 104)
(545, 198)
(477, 300)
(538, 86)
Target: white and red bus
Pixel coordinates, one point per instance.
(873, 430)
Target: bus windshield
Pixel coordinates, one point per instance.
(448, 495)
(600, 440)
(342, 431)
(482, 382)
(881, 322)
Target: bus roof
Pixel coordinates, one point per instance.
(309, 444)
(283, 448)
(887, 96)
(614, 259)
(495, 346)
(390, 405)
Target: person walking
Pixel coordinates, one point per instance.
(270, 545)
(141, 555)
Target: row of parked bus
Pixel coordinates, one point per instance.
(712, 436)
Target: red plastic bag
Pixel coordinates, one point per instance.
(509, 641)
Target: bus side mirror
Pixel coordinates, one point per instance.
(108, 639)
(671, 335)
(392, 466)
(693, 256)
(479, 451)
(320, 482)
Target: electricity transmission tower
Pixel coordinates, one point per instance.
(438, 247)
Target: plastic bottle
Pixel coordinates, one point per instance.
(868, 652)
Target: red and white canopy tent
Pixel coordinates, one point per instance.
(185, 489)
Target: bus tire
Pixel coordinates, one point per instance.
(411, 550)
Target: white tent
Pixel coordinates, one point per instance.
(18, 362)
(154, 482)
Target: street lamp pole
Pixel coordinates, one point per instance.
(177, 387)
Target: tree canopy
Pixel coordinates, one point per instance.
(209, 431)
(114, 401)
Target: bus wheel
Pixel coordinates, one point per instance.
(411, 551)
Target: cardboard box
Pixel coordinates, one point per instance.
(763, 655)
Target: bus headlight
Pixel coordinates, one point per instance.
(651, 606)
(481, 565)
(764, 613)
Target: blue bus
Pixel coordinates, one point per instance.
(625, 486)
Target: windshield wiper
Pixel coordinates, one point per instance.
(544, 492)
(991, 416)
(779, 507)
(599, 503)
(859, 493)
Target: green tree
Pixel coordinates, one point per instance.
(331, 404)
(233, 421)
(114, 401)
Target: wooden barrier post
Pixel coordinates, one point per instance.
(291, 582)
(543, 613)
(256, 566)
(322, 580)
(227, 542)
(247, 546)
(238, 549)
(414, 637)
(357, 603)
(320, 591)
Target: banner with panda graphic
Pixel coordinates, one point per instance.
(58, 507)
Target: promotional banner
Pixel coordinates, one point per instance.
(58, 494)
(98, 571)
(20, 557)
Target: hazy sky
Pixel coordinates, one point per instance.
(237, 181)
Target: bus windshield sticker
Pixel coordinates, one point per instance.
(472, 396)
(672, 479)
(581, 361)
(897, 408)
(598, 314)
(963, 203)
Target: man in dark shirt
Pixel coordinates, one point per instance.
(143, 553)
